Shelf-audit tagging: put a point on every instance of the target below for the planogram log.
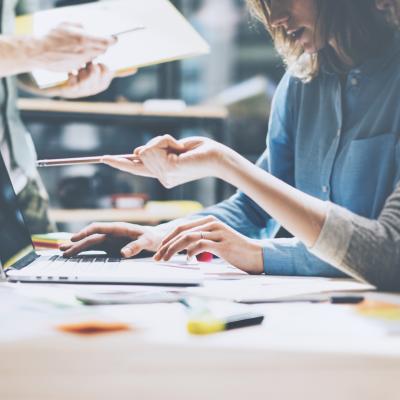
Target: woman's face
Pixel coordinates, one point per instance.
(298, 18)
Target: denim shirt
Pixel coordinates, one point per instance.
(337, 142)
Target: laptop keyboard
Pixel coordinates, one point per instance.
(85, 259)
(56, 265)
(91, 268)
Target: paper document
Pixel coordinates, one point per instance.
(149, 32)
(271, 288)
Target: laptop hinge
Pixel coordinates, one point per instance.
(3, 276)
(24, 261)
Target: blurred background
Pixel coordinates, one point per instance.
(230, 89)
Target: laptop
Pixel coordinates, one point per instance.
(21, 263)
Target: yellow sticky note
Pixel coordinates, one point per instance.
(380, 310)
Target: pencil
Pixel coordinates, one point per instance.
(135, 29)
(81, 160)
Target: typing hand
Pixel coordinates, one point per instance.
(211, 235)
(105, 236)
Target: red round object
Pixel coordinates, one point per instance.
(204, 257)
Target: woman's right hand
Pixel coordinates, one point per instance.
(123, 238)
(174, 162)
(67, 48)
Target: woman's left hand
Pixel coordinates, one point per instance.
(211, 235)
(90, 80)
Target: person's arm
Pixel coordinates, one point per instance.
(243, 214)
(364, 248)
(65, 48)
(174, 163)
(299, 213)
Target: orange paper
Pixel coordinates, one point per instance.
(93, 327)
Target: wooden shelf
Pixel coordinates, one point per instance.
(117, 109)
(116, 215)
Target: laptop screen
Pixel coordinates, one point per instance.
(15, 240)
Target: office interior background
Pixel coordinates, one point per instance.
(240, 74)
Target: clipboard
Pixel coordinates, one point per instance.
(165, 34)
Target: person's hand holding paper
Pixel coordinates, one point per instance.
(67, 48)
(90, 80)
(149, 32)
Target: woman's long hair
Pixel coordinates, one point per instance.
(358, 29)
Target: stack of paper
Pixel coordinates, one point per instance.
(50, 240)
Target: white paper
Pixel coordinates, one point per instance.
(270, 288)
(166, 35)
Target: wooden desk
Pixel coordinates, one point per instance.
(161, 361)
(120, 367)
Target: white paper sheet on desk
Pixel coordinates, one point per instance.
(270, 288)
(26, 316)
(165, 35)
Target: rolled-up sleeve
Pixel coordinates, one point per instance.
(334, 239)
(289, 256)
(364, 248)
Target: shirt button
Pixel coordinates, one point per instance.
(339, 131)
(325, 189)
(354, 81)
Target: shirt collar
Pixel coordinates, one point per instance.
(376, 64)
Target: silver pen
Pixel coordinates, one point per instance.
(135, 29)
(58, 162)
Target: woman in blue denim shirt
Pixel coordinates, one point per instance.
(333, 134)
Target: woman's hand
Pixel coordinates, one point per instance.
(175, 162)
(117, 238)
(90, 80)
(210, 234)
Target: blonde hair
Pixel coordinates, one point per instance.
(358, 29)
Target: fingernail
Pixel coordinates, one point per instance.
(127, 252)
